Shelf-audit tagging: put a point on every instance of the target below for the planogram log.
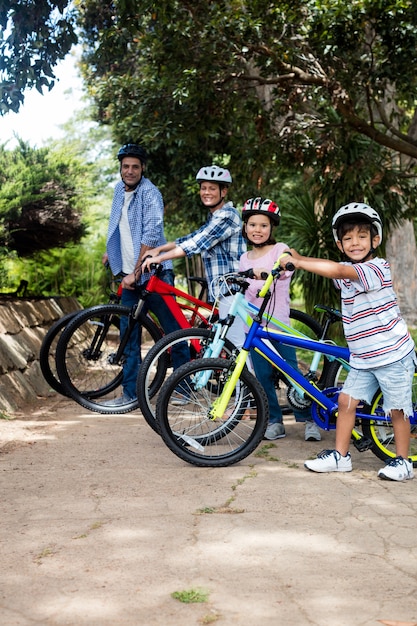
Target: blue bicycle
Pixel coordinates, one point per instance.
(213, 342)
(226, 414)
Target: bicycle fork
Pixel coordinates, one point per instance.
(220, 404)
(118, 357)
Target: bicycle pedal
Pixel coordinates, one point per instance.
(363, 444)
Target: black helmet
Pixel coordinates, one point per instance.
(132, 150)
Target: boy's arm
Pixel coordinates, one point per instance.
(322, 267)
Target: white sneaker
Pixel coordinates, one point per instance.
(397, 469)
(330, 461)
(275, 431)
(312, 432)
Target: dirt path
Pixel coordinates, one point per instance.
(101, 523)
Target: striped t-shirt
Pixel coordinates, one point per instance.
(374, 329)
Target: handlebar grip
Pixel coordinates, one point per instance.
(290, 267)
(247, 273)
(264, 275)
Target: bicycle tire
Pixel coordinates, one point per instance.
(334, 374)
(382, 433)
(47, 352)
(190, 433)
(308, 321)
(84, 354)
(157, 366)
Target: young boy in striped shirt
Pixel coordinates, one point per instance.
(382, 352)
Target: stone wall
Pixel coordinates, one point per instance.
(23, 325)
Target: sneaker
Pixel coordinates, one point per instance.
(275, 431)
(397, 469)
(312, 432)
(122, 400)
(330, 461)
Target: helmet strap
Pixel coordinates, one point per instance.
(269, 242)
(213, 206)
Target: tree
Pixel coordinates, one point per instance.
(34, 36)
(54, 205)
(41, 199)
(266, 88)
(262, 86)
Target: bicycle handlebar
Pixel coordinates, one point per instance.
(275, 272)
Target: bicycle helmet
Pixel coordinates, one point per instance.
(132, 150)
(256, 206)
(356, 211)
(214, 173)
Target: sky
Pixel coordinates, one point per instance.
(40, 117)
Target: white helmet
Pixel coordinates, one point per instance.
(214, 173)
(356, 210)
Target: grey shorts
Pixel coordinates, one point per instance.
(395, 381)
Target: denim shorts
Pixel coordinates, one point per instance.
(395, 381)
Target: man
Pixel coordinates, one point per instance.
(136, 225)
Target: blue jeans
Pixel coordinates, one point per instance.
(180, 352)
(264, 372)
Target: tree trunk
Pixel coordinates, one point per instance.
(402, 254)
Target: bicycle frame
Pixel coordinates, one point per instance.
(157, 286)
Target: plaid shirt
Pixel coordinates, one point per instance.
(146, 221)
(219, 241)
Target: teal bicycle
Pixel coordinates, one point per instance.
(226, 414)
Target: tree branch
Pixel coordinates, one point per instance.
(343, 104)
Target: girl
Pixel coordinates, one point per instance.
(259, 216)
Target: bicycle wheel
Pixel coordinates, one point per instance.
(48, 351)
(192, 434)
(306, 324)
(381, 432)
(334, 374)
(157, 366)
(85, 356)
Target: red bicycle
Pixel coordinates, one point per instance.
(90, 351)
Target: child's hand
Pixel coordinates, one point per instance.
(259, 273)
(295, 257)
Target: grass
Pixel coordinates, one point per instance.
(190, 596)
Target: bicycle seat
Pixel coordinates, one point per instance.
(334, 314)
